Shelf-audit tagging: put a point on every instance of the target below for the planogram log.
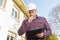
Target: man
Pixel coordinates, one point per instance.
(36, 28)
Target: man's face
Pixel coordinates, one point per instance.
(32, 12)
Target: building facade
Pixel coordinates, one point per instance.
(12, 13)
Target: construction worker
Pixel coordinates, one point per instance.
(36, 28)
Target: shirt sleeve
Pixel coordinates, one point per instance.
(23, 28)
(48, 29)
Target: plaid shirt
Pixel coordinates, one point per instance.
(37, 23)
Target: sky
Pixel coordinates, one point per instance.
(44, 7)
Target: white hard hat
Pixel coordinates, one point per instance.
(31, 6)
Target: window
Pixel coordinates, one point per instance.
(15, 12)
(1, 1)
(11, 35)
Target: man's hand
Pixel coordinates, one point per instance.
(30, 19)
(40, 35)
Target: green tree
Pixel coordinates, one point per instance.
(52, 37)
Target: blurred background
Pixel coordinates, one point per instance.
(13, 12)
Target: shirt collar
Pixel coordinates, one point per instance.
(37, 17)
